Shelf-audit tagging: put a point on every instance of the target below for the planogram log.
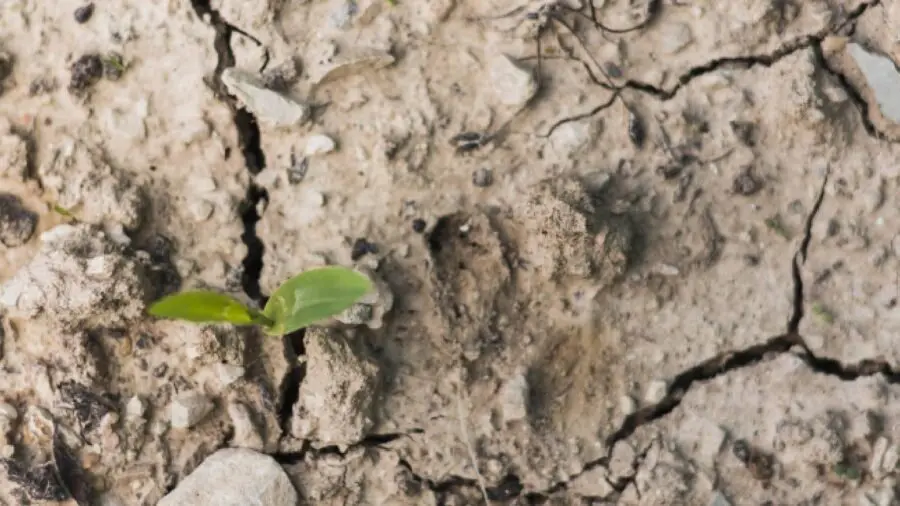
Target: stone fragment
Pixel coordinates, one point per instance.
(234, 477)
(319, 145)
(513, 84)
(882, 76)
(189, 409)
(269, 106)
(514, 399)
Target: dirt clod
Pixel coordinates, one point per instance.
(85, 72)
(17, 224)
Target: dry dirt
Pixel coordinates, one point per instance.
(661, 267)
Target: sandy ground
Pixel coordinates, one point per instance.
(659, 267)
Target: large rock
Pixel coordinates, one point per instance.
(234, 477)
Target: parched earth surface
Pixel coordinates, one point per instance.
(648, 266)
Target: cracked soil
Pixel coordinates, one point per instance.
(657, 266)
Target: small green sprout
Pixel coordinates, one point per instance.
(824, 314)
(303, 300)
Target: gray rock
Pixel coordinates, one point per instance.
(189, 409)
(882, 76)
(234, 477)
(336, 400)
(514, 85)
(268, 105)
(17, 224)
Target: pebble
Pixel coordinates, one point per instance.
(419, 225)
(513, 84)
(514, 399)
(483, 178)
(83, 14)
(719, 500)
(189, 409)
(17, 224)
(269, 106)
(627, 405)
(135, 408)
(319, 145)
(200, 209)
(882, 77)
(234, 477)
(656, 391)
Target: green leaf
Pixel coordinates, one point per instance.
(313, 296)
(205, 307)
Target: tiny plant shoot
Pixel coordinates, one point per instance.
(303, 300)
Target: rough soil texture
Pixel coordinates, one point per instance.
(659, 267)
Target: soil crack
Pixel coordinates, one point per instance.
(249, 142)
(737, 62)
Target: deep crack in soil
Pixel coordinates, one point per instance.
(249, 142)
(510, 486)
(738, 62)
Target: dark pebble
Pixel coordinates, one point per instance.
(84, 13)
(741, 449)
(418, 225)
(17, 224)
(86, 71)
(613, 70)
(483, 178)
(362, 247)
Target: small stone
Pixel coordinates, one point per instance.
(135, 408)
(246, 435)
(84, 13)
(514, 399)
(596, 182)
(666, 270)
(627, 405)
(362, 247)
(17, 224)
(200, 209)
(656, 391)
(483, 177)
(234, 477)
(268, 105)
(187, 410)
(882, 76)
(675, 38)
(514, 85)
(228, 373)
(86, 71)
(419, 225)
(719, 500)
(319, 145)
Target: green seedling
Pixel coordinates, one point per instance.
(823, 313)
(303, 300)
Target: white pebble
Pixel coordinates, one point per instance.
(187, 410)
(319, 145)
(656, 391)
